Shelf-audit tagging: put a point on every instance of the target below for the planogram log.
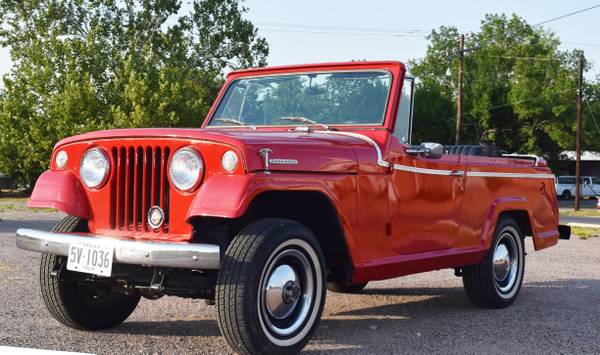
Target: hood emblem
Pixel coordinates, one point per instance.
(283, 161)
(156, 217)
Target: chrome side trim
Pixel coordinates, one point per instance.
(459, 173)
(369, 140)
(414, 169)
(136, 252)
(509, 175)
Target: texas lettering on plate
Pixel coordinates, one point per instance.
(91, 258)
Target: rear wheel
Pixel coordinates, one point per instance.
(496, 281)
(342, 287)
(566, 195)
(271, 288)
(78, 305)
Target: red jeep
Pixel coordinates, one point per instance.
(302, 179)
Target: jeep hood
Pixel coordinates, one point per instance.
(315, 151)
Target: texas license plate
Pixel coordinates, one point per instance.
(91, 258)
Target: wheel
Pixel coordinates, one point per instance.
(566, 195)
(496, 281)
(271, 288)
(81, 306)
(342, 287)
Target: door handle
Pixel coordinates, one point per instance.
(457, 173)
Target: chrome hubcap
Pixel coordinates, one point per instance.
(282, 292)
(506, 263)
(287, 292)
(501, 262)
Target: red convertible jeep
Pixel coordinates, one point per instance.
(302, 179)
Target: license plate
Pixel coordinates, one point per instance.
(91, 258)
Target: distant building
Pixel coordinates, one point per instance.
(590, 162)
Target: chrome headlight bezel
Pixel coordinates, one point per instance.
(86, 167)
(192, 159)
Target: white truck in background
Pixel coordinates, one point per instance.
(565, 187)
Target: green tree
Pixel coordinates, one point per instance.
(519, 88)
(82, 65)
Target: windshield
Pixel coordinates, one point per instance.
(352, 98)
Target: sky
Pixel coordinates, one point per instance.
(356, 30)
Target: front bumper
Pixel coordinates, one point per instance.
(134, 252)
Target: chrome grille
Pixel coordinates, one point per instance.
(139, 182)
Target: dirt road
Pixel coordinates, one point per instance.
(558, 310)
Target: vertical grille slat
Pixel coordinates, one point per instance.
(136, 206)
(139, 182)
(128, 186)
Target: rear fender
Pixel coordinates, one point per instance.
(507, 204)
(60, 190)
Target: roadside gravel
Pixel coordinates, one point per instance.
(556, 312)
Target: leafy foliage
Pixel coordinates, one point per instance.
(82, 65)
(519, 89)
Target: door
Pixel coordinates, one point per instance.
(425, 201)
(424, 195)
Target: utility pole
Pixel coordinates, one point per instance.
(461, 52)
(578, 134)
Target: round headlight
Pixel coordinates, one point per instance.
(61, 159)
(94, 168)
(229, 161)
(185, 169)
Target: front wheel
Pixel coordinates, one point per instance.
(81, 306)
(496, 281)
(271, 288)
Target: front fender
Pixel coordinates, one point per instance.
(229, 196)
(60, 190)
(222, 196)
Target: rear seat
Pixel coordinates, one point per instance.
(477, 150)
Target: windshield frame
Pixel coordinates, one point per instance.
(229, 84)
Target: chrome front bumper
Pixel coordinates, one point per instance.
(127, 251)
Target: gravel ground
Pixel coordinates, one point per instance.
(556, 312)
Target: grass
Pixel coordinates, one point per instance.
(585, 233)
(588, 212)
(7, 207)
(13, 199)
(19, 204)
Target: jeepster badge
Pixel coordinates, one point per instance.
(156, 217)
(283, 161)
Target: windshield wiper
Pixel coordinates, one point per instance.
(234, 121)
(305, 120)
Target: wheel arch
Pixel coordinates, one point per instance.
(311, 208)
(521, 217)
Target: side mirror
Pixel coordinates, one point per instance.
(428, 150)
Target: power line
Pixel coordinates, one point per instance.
(583, 44)
(342, 33)
(490, 108)
(338, 27)
(593, 117)
(567, 15)
(524, 58)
